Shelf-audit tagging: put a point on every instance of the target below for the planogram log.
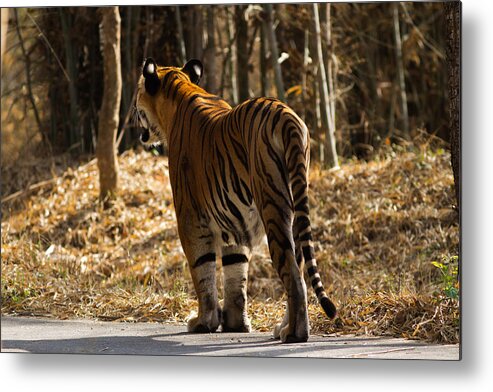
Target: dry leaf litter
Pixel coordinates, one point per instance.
(378, 226)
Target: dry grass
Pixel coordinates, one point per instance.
(378, 227)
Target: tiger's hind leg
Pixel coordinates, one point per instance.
(203, 274)
(278, 328)
(294, 327)
(274, 201)
(235, 271)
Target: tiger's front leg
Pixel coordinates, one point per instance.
(203, 273)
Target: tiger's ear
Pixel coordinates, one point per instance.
(194, 69)
(152, 82)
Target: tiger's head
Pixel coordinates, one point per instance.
(154, 109)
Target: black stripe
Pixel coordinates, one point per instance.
(234, 259)
(328, 306)
(312, 271)
(207, 258)
(308, 252)
(299, 257)
(254, 116)
(240, 152)
(306, 237)
(165, 82)
(302, 222)
(175, 91)
(302, 205)
(299, 187)
(318, 290)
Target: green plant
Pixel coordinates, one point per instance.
(449, 269)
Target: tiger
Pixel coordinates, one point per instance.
(237, 175)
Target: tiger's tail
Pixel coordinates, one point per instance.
(297, 161)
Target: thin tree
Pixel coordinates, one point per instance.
(452, 14)
(332, 159)
(29, 81)
(211, 82)
(223, 51)
(242, 53)
(274, 52)
(128, 82)
(331, 78)
(196, 32)
(5, 24)
(400, 69)
(74, 135)
(231, 56)
(108, 117)
(181, 38)
(306, 56)
(264, 53)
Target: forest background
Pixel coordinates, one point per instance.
(370, 80)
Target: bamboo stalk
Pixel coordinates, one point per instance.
(3, 31)
(306, 55)
(330, 76)
(30, 94)
(332, 158)
(232, 57)
(271, 36)
(181, 38)
(400, 70)
(224, 53)
(74, 136)
(264, 79)
(242, 53)
(210, 53)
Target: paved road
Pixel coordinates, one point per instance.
(35, 335)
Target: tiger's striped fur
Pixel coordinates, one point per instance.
(236, 173)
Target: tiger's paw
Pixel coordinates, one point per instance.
(238, 324)
(283, 333)
(204, 325)
(277, 331)
(280, 326)
(287, 337)
(242, 328)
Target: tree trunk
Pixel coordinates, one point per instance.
(306, 56)
(29, 82)
(211, 74)
(110, 107)
(318, 117)
(264, 52)
(453, 11)
(242, 53)
(331, 78)
(274, 53)
(5, 25)
(128, 84)
(74, 135)
(332, 159)
(197, 30)
(232, 57)
(400, 70)
(181, 37)
(224, 55)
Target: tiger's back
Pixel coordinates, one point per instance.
(235, 174)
